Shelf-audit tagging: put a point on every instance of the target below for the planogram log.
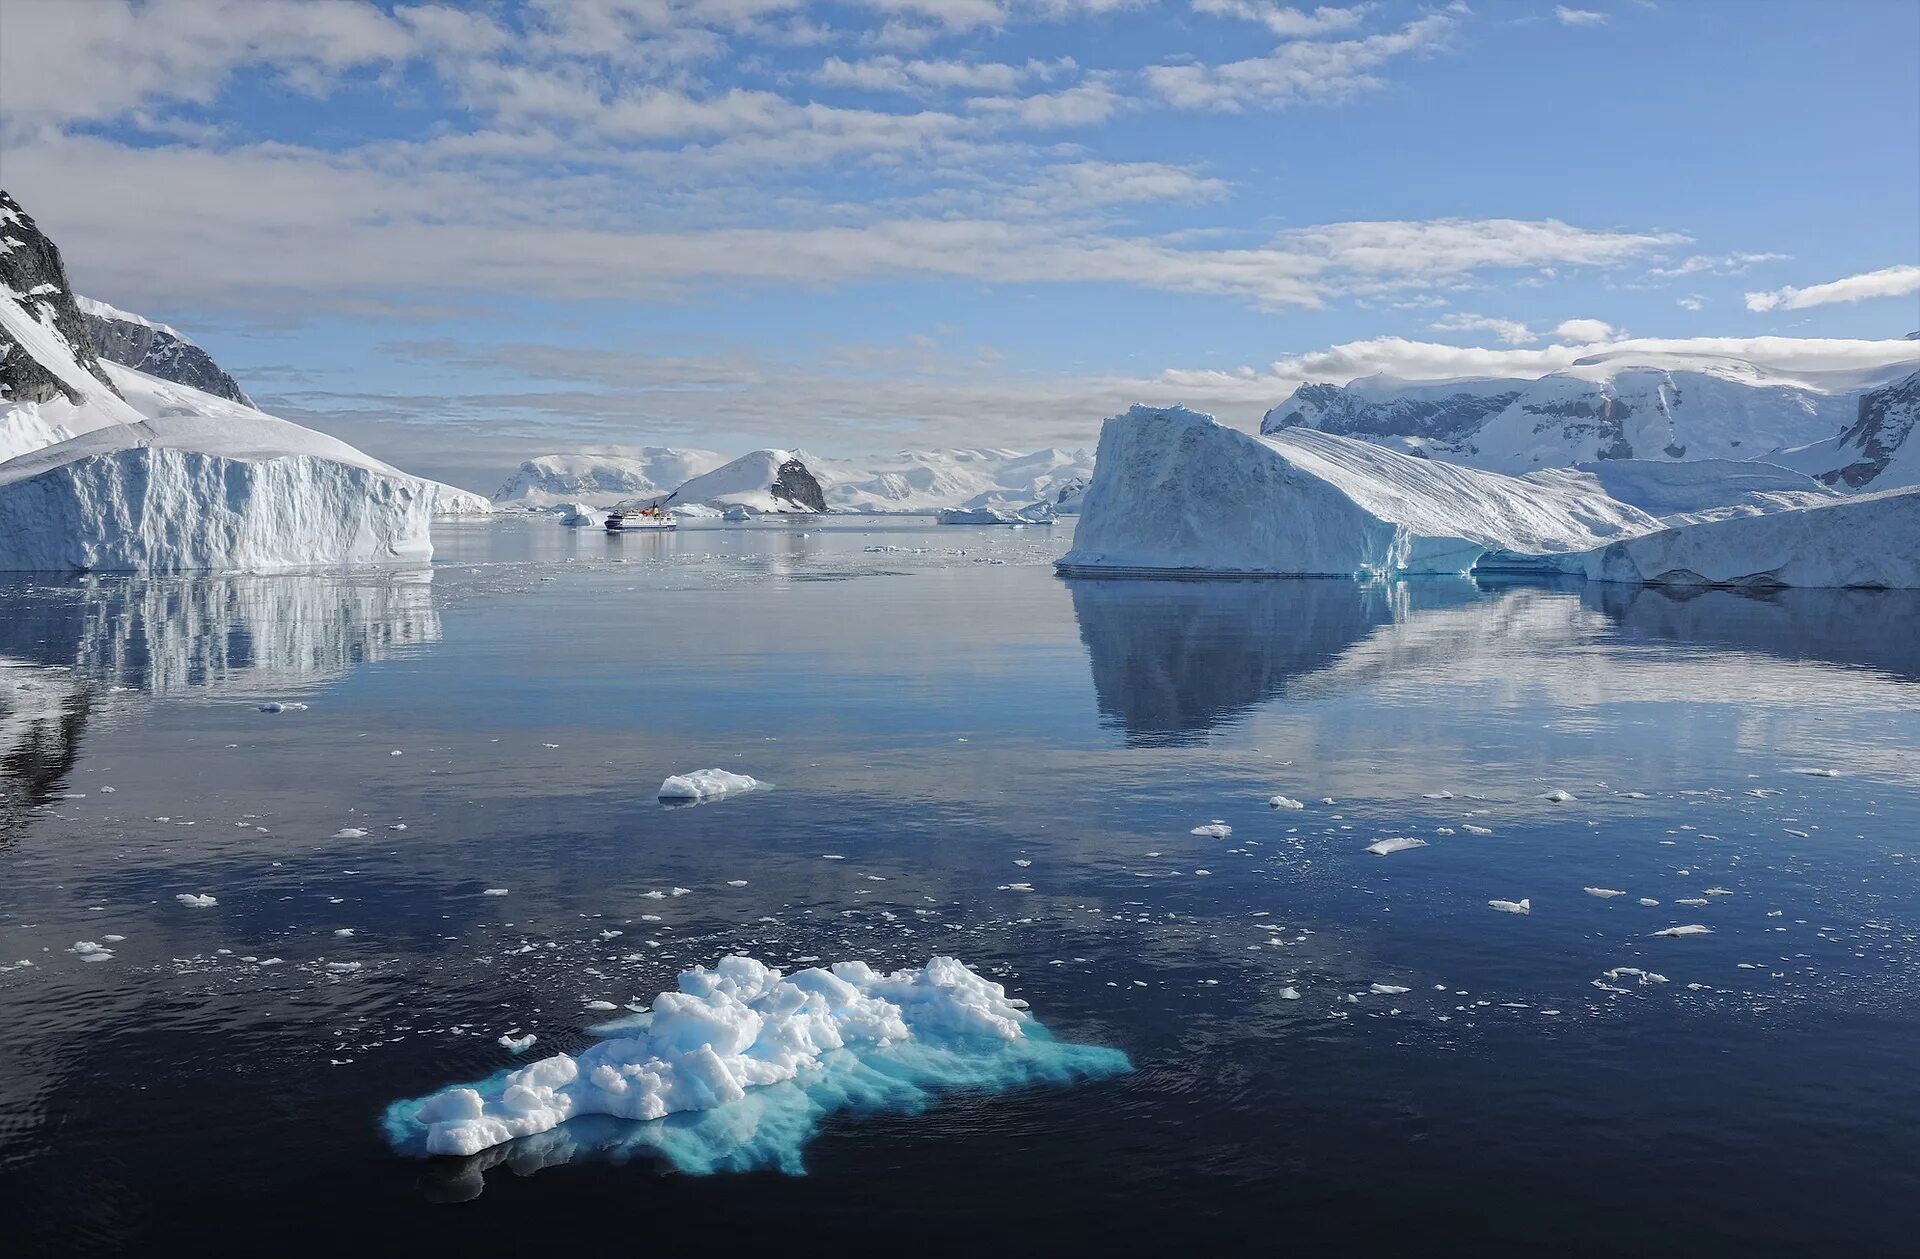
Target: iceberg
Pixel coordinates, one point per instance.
(1175, 491)
(706, 784)
(579, 516)
(736, 1067)
(1867, 540)
(1033, 514)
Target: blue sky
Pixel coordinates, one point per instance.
(464, 235)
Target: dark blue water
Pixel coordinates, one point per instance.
(931, 714)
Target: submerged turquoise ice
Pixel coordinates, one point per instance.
(737, 1068)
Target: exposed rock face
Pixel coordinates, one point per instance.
(33, 278)
(1439, 412)
(1887, 420)
(157, 350)
(797, 485)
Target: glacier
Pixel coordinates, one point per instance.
(735, 1068)
(1866, 540)
(603, 479)
(1176, 491)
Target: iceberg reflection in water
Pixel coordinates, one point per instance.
(244, 633)
(1174, 660)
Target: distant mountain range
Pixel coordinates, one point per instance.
(1844, 423)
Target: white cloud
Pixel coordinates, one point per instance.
(1286, 22)
(1586, 331)
(1886, 282)
(896, 74)
(1083, 105)
(1693, 301)
(1509, 331)
(1578, 17)
(1303, 70)
(1713, 264)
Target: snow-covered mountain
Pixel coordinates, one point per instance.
(115, 469)
(601, 480)
(1878, 451)
(1625, 404)
(776, 481)
(156, 349)
(938, 480)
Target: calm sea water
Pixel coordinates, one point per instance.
(932, 706)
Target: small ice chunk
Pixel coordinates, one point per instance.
(1215, 829)
(1387, 990)
(197, 900)
(518, 1044)
(1815, 772)
(1471, 829)
(601, 1005)
(1691, 929)
(1513, 907)
(1289, 994)
(343, 932)
(351, 832)
(1285, 802)
(1648, 901)
(1439, 795)
(706, 784)
(736, 882)
(495, 891)
(1604, 893)
(1387, 847)
(1557, 796)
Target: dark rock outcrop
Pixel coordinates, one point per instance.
(157, 350)
(33, 279)
(797, 485)
(1888, 416)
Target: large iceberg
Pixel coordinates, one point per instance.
(1869, 540)
(203, 483)
(735, 1068)
(1175, 491)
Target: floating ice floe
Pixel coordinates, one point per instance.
(706, 784)
(741, 1062)
(1604, 893)
(197, 900)
(1387, 847)
(1557, 796)
(1691, 929)
(1285, 802)
(1289, 994)
(1815, 772)
(1387, 990)
(1215, 829)
(351, 832)
(518, 1044)
(1512, 907)
(495, 891)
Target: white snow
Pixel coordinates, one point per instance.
(743, 1026)
(601, 480)
(934, 480)
(1870, 540)
(745, 482)
(1175, 491)
(706, 784)
(175, 479)
(1707, 400)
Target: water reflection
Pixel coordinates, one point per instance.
(1173, 659)
(1871, 629)
(42, 716)
(242, 633)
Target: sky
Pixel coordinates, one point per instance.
(463, 235)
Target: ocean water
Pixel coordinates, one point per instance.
(933, 706)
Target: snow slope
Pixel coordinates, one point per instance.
(601, 480)
(1865, 540)
(923, 481)
(1175, 491)
(156, 349)
(1878, 450)
(1626, 403)
(1668, 488)
(760, 481)
(749, 1059)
